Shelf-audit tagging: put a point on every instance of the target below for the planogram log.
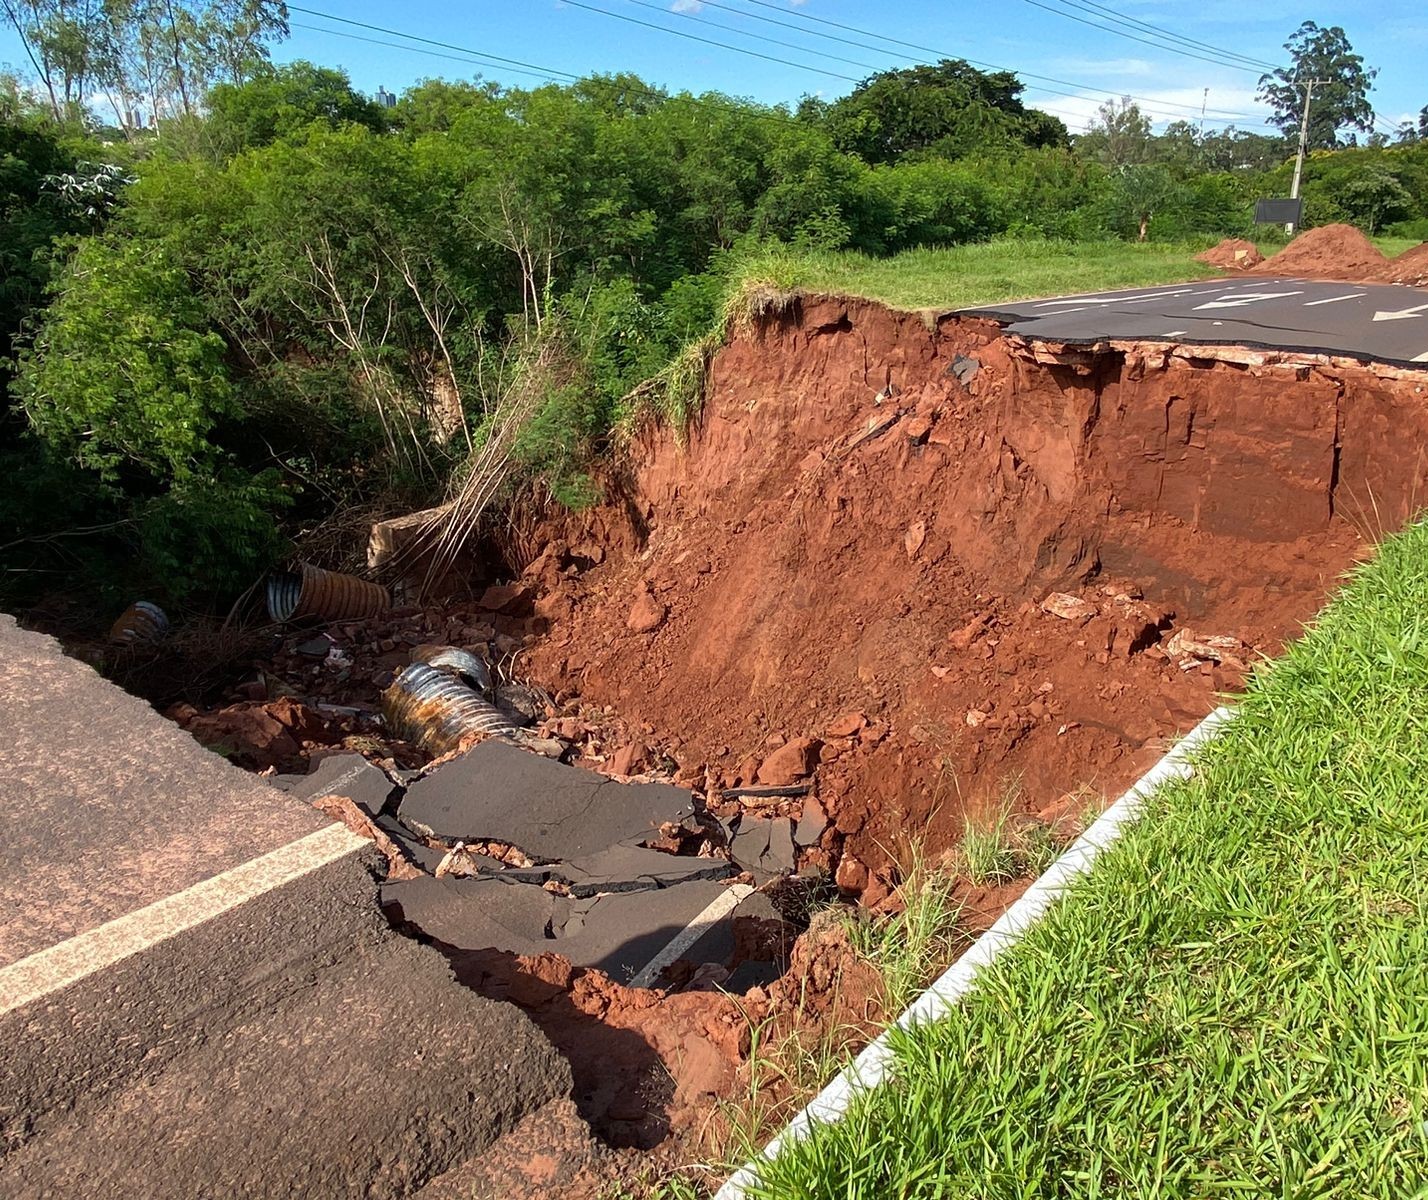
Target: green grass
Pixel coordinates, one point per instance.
(1235, 1002)
(982, 273)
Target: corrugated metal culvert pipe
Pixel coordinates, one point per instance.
(140, 622)
(434, 710)
(310, 591)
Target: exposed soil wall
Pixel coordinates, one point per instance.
(853, 545)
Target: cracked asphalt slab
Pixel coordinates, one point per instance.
(1371, 322)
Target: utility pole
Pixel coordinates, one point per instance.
(1308, 86)
(1204, 100)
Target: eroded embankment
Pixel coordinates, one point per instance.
(855, 542)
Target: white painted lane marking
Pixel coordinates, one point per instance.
(1174, 332)
(1420, 358)
(1334, 299)
(691, 933)
(1123, 297)
(48, 971)
(1401, 314)
(1246, 298)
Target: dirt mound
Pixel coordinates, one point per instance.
(1329, 252)
(1410, 268)
(1232, 254)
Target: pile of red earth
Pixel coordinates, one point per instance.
(1409, 268)
(1234, 254)
(1328, 252)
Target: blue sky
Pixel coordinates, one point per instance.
(1091, 63)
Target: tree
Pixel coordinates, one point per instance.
(278, 101)
(1374, 196)
(160, 56)
(948, 109)
(1414, 131)
(1119, 136)
(1142, 189)
(1341, 87)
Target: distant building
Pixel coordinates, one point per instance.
(385, 98)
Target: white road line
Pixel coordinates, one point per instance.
(1334, 299)
(691, 933)
(1420, 358)
(48, 971)
(1116, 299)
(1174, 332)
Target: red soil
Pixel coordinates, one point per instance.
(1410, 267)
(805, 571)
(1232, 254)
(1329, 252)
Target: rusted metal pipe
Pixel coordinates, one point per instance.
(140, 622)
(312, 592)
(433, 710)
(461, 663)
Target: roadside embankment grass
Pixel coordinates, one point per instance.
(975, 274)
(1235, 1001)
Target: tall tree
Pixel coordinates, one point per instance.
(1119, 136)
(1415, 131)
(945, 110)
(1341, 87)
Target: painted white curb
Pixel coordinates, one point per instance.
(870, 1067)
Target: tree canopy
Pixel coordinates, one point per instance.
(1341, 87)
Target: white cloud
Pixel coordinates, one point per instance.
(686, 6)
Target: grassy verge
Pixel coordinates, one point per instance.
(1235, 1001)
(982, 273)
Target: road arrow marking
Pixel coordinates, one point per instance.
(1402, 314)
(1245, 298)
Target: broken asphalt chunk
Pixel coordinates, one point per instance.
(554, 813)
(763, 847)
(350, 775)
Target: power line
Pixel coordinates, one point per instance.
(936, 53)
(520, 66)
(469, 61)
(1091, 6)
(1219, 62)
(687, 16)
(694, 37)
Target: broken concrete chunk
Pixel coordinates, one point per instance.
(499, 792)
(964, 369)
(764, 847)
(811, 823)
(1068, 607)
(350, 775)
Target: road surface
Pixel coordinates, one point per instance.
(1372, 322)
(198, 993)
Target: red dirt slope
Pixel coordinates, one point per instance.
(854, 544)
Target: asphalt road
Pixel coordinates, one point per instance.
(1373, 322)
(198, 993)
